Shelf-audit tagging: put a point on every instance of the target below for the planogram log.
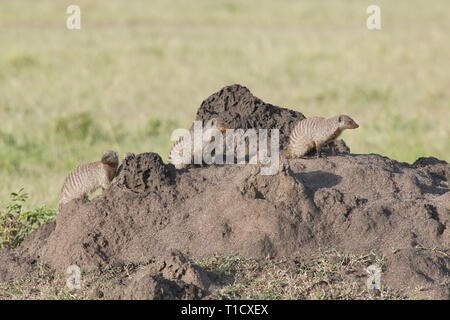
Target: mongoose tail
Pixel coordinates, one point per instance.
(88, 177)
(314, 132)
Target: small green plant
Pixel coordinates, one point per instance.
(16, 224)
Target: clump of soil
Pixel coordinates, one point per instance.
(168, 278)
(13, 266)
(349, 202)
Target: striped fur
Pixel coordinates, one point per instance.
(176, 152)
(176, 156)
(88, 177)
(316, 131)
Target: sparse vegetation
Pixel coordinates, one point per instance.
(324, 275)
(45, 283)
(16, 223)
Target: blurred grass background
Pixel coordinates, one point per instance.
(138, 69)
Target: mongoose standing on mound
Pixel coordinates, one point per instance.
(176, 152)
(88, 177)
(317, 131)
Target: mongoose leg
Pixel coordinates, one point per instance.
(332, 146)
(318, 149)
(320, 131)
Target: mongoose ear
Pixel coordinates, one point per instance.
(340, 119)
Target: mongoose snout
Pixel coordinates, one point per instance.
(347, 123)
(314, 132)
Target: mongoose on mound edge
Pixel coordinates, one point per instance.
(317, 131)
(88, 177)
(176, 152)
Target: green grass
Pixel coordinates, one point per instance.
(323, 275)
(138, 69)
(44, 283)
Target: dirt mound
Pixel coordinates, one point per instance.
(13, 266)
(238, 108)
(168, 278)
(350, 202)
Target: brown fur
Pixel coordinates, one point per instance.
(88, 177)
(314, 132)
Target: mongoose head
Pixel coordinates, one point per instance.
(110, 158)
(216, 123)
(345, 122)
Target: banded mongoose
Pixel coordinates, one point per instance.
(88, 177)
(176, 152)
(317, 131)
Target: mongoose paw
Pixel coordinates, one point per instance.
(322, 156)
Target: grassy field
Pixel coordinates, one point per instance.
(139, 69)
